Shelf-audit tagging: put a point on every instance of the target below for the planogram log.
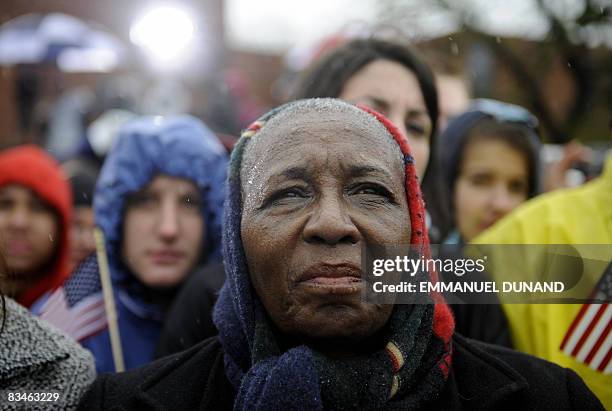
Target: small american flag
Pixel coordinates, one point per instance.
(77, 308)
(589, 337)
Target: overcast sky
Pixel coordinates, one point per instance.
(274, 26)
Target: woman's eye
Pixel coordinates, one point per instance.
(372, 196)
(291, 193)
(142, 200)
(480, 179)
(192, 201)
(5, 203)
(40, 206)
(368, 190)
(372, 190)
(286, 195)
(147, 199)
(415, 129)
(376, 104)
(519, 187)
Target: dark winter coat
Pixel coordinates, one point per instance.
(483, 377)
(189, 319)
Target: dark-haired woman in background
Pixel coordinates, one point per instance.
(490, 165)
(35, 214)
(392, 79)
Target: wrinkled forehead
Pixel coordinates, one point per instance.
(305, 126)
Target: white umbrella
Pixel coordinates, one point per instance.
(73, 44)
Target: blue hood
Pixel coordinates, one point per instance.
(178, 146)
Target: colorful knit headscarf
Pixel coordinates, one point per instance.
(408, 373)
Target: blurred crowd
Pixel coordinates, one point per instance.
(119, 229)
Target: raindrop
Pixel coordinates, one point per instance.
(498, 39)
(50, 237)
(569, 64)
(455, 49)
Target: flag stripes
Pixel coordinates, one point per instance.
(85, 318)
(589, 337)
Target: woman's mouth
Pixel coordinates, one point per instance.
(18, 248)
(325, 278)
(166, 257)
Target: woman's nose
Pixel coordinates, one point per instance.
(20, 217)
(502, 201)
(331, 224)
(168, 227)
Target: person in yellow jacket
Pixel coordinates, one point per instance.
(572, 335)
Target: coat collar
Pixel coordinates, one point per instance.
(26, 344)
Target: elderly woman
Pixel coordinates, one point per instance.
(310, 185)
(392, 79)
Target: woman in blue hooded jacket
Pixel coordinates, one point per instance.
(158, 202)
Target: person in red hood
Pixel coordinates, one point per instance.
(35, 211)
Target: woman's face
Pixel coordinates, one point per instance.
(163, 231)
(29, 230)
(393, 90)
(82, 239)
(453, 98)
(493, 180)
(318, 188)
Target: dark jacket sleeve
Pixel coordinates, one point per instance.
(488, 376)
(581, 397)
(189, 319)
(94, 397)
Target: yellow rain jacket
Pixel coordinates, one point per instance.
(581, 215)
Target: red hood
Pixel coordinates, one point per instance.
(33, 168)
